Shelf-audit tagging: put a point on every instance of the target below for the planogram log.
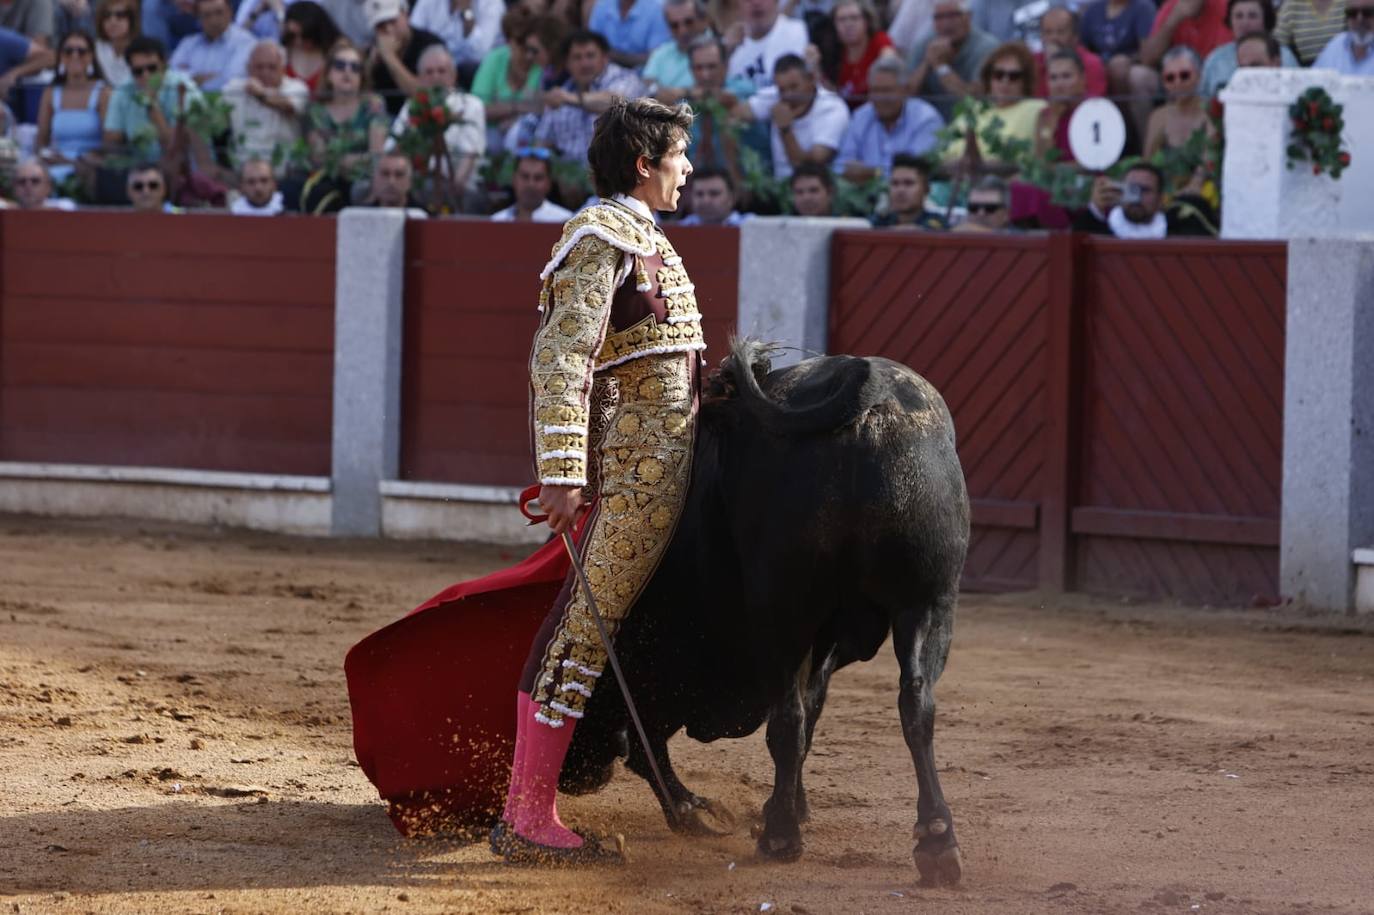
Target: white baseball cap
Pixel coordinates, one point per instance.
(379, 11)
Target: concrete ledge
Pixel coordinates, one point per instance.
(437, 511)
(1364, 580)
(291, 505)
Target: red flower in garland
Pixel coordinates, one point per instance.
(436, 113)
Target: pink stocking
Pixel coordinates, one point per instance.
(522, 703)
(533, 811)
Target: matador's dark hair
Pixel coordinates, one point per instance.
(631, 128)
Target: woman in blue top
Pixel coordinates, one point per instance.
(72, 110)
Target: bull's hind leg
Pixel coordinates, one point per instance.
(813, 702)
(921, 639)
(786, 737)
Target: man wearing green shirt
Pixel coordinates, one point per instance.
(133, 123)
(668, 72)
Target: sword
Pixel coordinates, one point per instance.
(619, 674)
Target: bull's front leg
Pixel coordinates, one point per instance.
(781, 837)
(686, 812)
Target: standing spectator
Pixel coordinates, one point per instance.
(133, 108)
(987, 207)
(508, 81)
(1352, 51)
(466, 140)
(469, 28)
(1116, 30)
(116, 24)
(1066, 85)
(307, 33)
(33, 188)
(890, 124)
(1059, 32)
(632, 27)
(906, 198)
(1007, 82)
(808, 121)
(532, 182)
(266, 107)
(861, 44)
(21, 55)
(219, 53)
(768, 37)
(392, 181)
(713, 144)
(593, 81)
(72, 110)
(668, 74)
(344, 127)
(713, 199)
(1172, 124)
(1244, 17)
(945, 66)
(813, 190)
(1307, 26)
(147, 189)
(258, 194)
(396, 50)
(1198, 24)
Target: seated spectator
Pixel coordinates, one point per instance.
(396, 50)
(813, 190)
(889, 124)
(988, 207)
(1135, 208)
(532, 182)
(219, 52)
(466, 140)
(1174, 123)
(469, 28)
(571, 109)
(808, 121)
(1007, 83)
(1259, 50)
(1116, 30)
(20, 56)
(861, 45)
(668, 74)
(712, 144)
(266, 107)
(767, 37)
(1352, 51)
(73, 108)
(307, 33)
(344, 128)
(33, 188)
(907, 188)
(147, 189)
(946, 64)
(116, 24)
(713, 199)
(510, 78)
(132, 110)
(633, 28)
(1245, 17)
(1066, 84)
(258, 194)
(1307, 26)
(392, 182)
(1059, 32)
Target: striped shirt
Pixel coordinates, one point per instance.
(1306, 31)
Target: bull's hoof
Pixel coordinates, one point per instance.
(699, 816)
(783, 849)
(944, 867)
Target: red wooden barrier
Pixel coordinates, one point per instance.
(471, 290)
(187, 341)
(1118, 404)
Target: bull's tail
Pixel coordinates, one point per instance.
(844, 400)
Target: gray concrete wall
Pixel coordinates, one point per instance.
(367, 365)
(784, 281)
(1328, 419)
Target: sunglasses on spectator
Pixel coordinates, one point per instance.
(127, 15)
(1359, 12)
(1182, 76)
(988, 208)
(534, 152)
(999, 73)
(76, 50)
(141, 186)
(350, 66)
(145, 69)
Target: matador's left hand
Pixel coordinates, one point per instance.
(561, 503)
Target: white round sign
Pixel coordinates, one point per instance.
(1097, 134)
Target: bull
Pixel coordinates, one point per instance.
(827, 510)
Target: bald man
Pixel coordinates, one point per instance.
(266, 105)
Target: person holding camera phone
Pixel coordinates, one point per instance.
(1134, 208)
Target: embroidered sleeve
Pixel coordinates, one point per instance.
(578, 307)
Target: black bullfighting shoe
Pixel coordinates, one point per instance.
(517, 849)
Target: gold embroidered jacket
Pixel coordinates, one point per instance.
(600, 248)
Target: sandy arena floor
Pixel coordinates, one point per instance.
(174, 737)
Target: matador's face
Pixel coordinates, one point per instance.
(662, 184)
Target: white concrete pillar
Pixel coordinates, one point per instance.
(784, 281)
(367, 365)
(1261, 196)
(1328, 419)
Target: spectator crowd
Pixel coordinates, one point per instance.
(919, 114)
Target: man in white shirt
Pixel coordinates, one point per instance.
(532, 182)
(808, 121)
(768, 37)
(1352, 51)
(258, 194)
(266, 106)
(467, 139)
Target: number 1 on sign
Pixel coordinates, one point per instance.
(1097, 133)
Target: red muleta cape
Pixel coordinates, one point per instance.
(433, 694)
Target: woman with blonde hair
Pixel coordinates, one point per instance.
(1007, 83)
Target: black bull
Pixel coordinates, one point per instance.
(827, 509)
